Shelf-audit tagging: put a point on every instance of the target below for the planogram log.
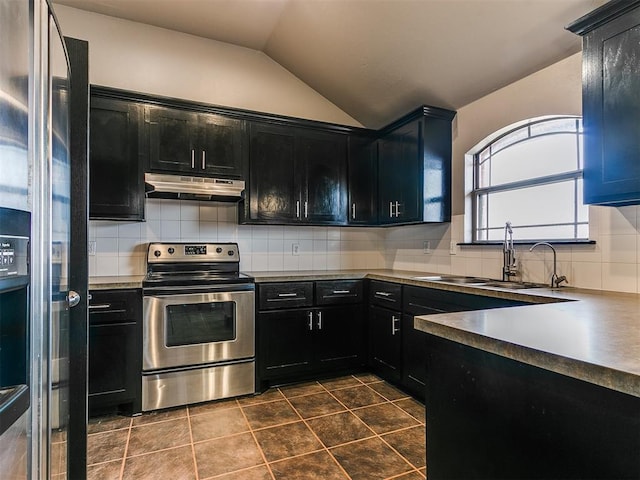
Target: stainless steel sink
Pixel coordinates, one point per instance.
(479, 282)
(454, 279)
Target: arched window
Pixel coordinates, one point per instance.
(532, 177)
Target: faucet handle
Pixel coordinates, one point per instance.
(559, 280)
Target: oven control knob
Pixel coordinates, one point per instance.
(230, 253)
(170, 250)
(218, 250)
(157, 253)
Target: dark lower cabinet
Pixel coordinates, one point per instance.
(385, 343)
(115, 354)
(116, 186)
(319, 337)
(490, 417)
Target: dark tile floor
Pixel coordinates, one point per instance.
(355, 427)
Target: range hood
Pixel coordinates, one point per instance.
(193, 188)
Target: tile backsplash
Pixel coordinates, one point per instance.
(121, 247)
(611, 264)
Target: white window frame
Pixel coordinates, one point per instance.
(573, 175)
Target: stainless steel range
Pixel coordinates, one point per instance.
(198, 325)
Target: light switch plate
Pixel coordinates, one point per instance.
(295, 249)
(452, 248)
(426, 247)
(91, 248)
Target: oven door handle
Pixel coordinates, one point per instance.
(171, 291)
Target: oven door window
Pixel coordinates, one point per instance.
(197, 323)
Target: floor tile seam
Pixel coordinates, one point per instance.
(407, 412)
(220, 409)
(393, 477)
(264, 458)
(174, 447)
(222, 475)
(260, 429)
(107, 431)
(398, 453)
(198, 442)
(160, 421)
(126, 450)
(253, 404)
(319, 440)
(324, 449)
(400, 429)
(193, 448)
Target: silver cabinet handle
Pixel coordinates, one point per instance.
(287, 294)
(100, 306)
(306, 209)
(319, 320)
(338, 292)
(391, 209)
(193, 158)
(353, 211)
(73, 298)
(397, 209)
(383, 294)
(204, 160)
(297, 208)
(394, 330)
(310, 324)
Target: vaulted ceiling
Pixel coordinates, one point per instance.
(377, 59)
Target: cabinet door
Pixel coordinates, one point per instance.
(400, 180)
(414, 357)
(113, 355)
(274, 187)
(285, 343)
(116, 187)
(221, 146)
(611, 109)
(363, 180)
(385, 343)
(339, 334)
(323, 161)
(173, 137)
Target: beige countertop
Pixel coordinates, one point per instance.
(586, 334)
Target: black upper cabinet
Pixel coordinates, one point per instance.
(116, 187)
(414, 168)
(611, 103)
(273, 175)
(363, 179)
(182, 141)
(296, 175)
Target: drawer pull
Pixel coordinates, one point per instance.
(99, 306)
(394, 330)
(341, 292)
(310, 324)
(383, 294)
(282, 295)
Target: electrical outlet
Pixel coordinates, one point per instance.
(452, 248)
(426, 247)
(295, 249)
(91, 247)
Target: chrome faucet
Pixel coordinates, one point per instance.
(555, 279)
(509, 268)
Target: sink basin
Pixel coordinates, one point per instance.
(479, 282)
(513, 285)
(454, 279)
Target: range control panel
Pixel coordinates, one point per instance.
(13, 256)
(193, 252)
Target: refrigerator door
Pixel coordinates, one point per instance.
(15, 412)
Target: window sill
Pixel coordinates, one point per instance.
(527, 242)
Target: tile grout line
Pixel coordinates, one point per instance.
(316, 436)
(126, 449)
(374, 433)
(253, 435)
(193, 448)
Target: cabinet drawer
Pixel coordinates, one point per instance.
(114, 306)
(338, 292)
(385, 294)
(285, 295)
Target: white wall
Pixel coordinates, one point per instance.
(147, 59)
(611, 264)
